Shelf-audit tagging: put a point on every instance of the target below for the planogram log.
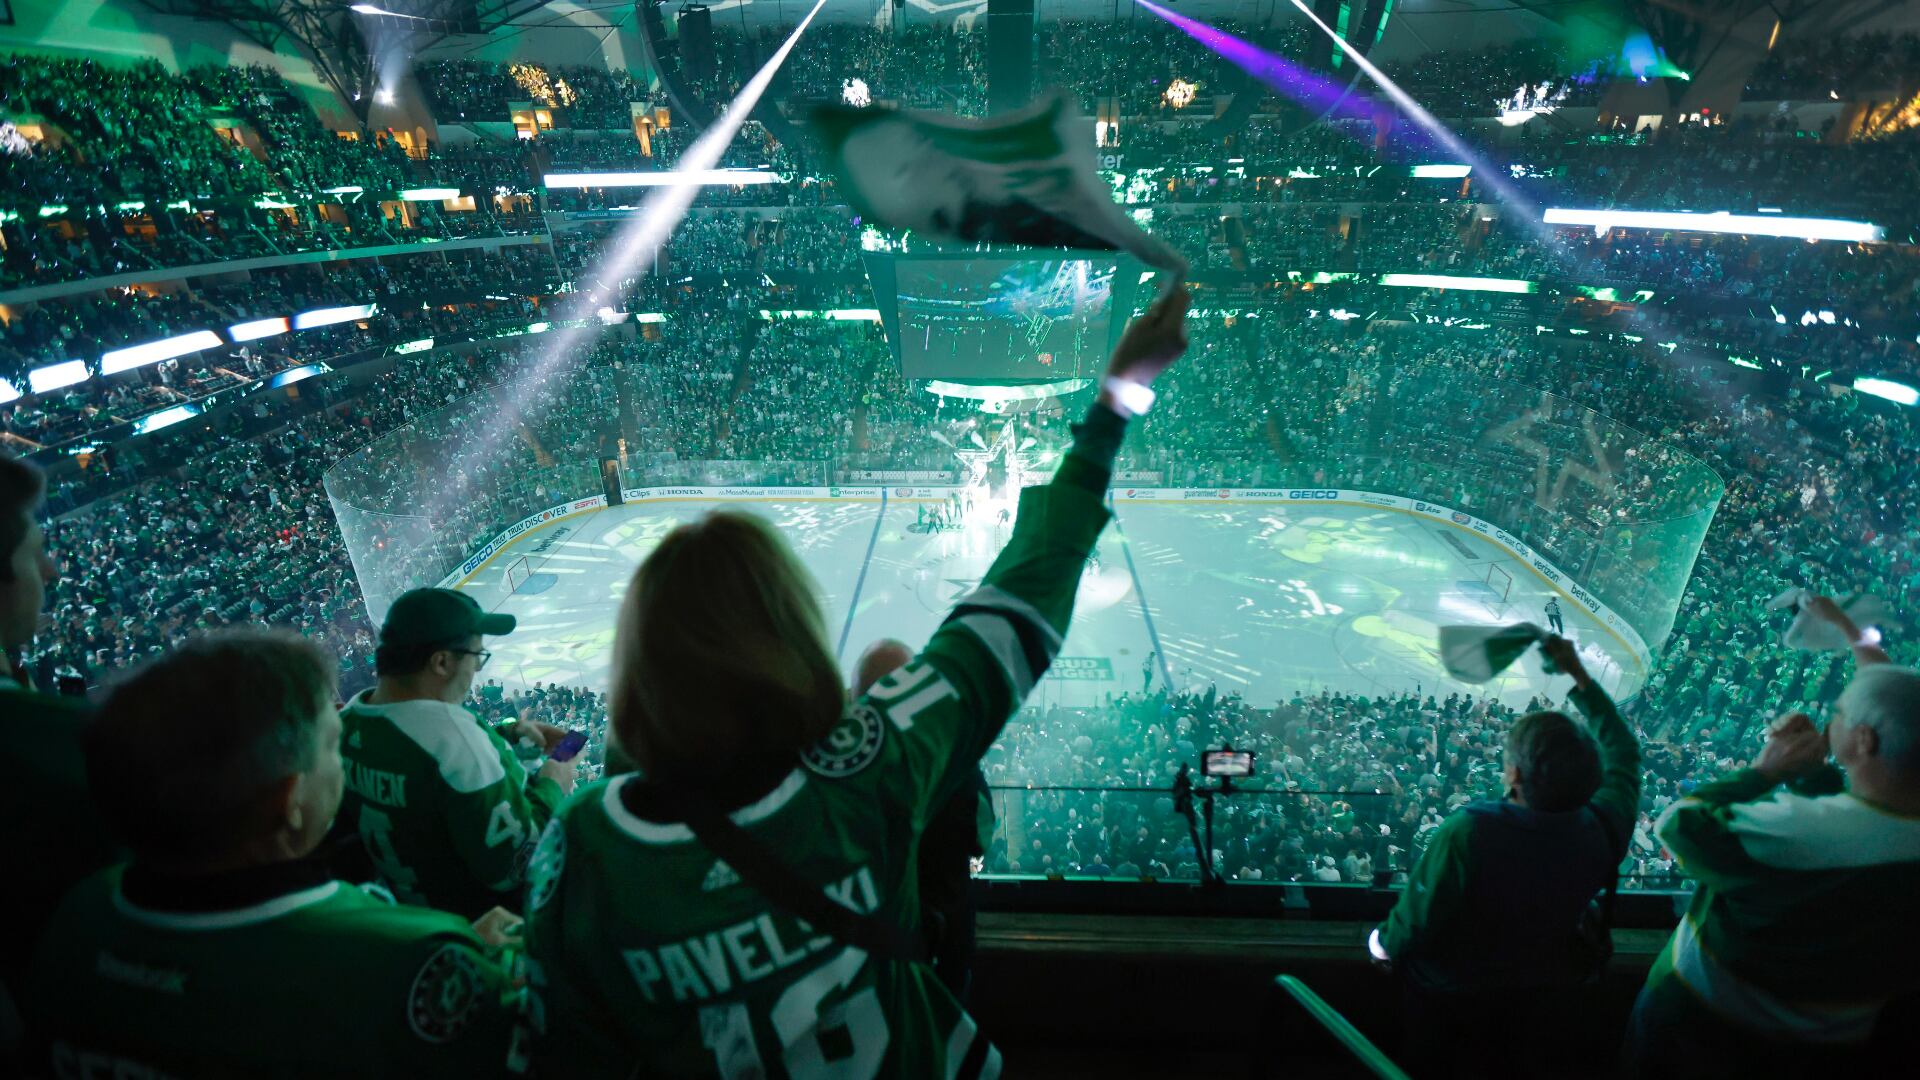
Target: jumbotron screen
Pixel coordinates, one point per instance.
(1000, 317)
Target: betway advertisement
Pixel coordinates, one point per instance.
(507, 535)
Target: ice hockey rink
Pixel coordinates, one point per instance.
(1261, 597)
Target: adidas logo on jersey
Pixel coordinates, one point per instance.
(719, 877)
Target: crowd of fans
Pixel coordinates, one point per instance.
(1302, 369)
(1842, 65)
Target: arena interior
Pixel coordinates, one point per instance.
(1600, 317)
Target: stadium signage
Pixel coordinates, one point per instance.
(1081, 669)
(487, 551)
(1077, 665)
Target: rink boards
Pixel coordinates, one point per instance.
(1262, 591)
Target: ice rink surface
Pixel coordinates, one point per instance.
(1266, 600)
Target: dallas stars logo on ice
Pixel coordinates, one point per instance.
(851, 745)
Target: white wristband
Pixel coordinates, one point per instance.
(1133, 397)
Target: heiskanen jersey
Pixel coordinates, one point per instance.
(321, 981)
(445, 810)
(648, 950)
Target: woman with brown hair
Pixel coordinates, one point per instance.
(794, 950)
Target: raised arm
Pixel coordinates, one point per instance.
(1619, 794)
(1866, 647)
(1000, 639)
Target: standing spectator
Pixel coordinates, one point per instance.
(1487, 932)
(1801, 931)
(39, 751)
(726, 695)
(446, 811)
(223, 949)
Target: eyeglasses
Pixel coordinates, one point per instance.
(481, 653)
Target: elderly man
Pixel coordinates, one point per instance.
(1801, 930)
(224, 948)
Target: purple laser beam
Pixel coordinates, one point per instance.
(1278, 74)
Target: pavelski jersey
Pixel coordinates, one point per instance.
(444, 808)
(645, 950)
(324, 981)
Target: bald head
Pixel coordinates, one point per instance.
(1885, 700)
(882, 657)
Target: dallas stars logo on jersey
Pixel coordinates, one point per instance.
(445, 995)
(852, 744)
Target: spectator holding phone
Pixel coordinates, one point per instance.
(1801, 930)
(446, 811)
(224, 949)
(1489, 933)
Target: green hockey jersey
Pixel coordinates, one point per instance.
(444, 808)
(323, 980)
(644, 949)
(1801, 928)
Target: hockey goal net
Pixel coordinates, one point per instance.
(517, 573)
(1498, 581)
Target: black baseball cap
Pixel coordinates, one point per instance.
(433, 616)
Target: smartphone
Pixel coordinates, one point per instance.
(1233, 764)
(569, 747)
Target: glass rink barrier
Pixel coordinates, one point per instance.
(443, 492)
(1572, 503)
(1259, 835)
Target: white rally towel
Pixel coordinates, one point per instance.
(1026, 177)
(1475, 654)
(1818, 635)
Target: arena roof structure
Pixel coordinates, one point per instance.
(335, 34)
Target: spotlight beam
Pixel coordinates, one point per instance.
(636, 244)
(1419, 114)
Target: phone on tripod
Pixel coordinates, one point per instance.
(1227, 764)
